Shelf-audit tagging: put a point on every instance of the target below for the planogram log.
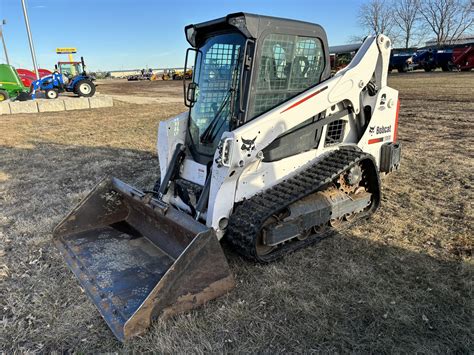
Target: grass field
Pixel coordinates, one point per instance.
(401, 282)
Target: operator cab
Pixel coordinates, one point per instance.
(245, 65)
(70, 69)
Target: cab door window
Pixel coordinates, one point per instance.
(288, 66)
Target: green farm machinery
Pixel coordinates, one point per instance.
(11, 86)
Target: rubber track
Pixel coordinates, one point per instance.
(248, 217)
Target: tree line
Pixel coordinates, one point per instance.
(410, 22)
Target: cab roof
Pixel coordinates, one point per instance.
(251, 26)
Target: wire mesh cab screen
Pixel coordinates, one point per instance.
(289, 64)
(216, 74)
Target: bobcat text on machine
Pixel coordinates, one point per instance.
(274, 154)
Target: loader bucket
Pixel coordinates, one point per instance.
(138, 258)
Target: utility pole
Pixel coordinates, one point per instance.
(30, 39)
(4, 22)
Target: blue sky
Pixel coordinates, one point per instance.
(128, 34)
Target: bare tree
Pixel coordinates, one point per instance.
(406, 17)
(356, 38)
(448, 19)
(376, 17)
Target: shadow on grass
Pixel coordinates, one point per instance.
(343, 294)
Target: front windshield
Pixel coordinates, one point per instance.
(217, 72)
(70, 69)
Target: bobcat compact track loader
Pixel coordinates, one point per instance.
(274, 154)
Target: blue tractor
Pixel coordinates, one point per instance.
(69, 77)
(429, 59)
(401, 59)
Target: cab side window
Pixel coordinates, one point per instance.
(288, 65)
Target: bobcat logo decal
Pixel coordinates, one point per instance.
(371, 130)
(248, 144)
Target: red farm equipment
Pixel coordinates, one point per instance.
(463, 57)
(27, 76)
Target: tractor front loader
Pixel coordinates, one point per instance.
(274, 154)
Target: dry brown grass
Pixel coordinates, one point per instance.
(401, 282)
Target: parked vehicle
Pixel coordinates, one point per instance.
(463, 57)
(144, 75)
(11, 86)
(173, 74)
(69, 77)
(340, 56)
(430, 59)
(28, 76)
(274, 153)
(401, 60)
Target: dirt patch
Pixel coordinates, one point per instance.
(143, 88)
(400, 282)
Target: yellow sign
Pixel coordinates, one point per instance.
(66, 50)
